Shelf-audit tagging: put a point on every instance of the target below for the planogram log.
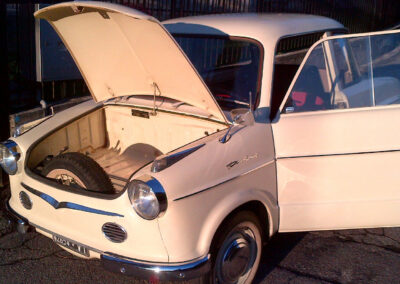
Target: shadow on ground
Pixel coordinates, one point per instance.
(275, 251)
(347, 256)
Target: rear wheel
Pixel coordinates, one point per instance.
(76, 169)
(237, 250)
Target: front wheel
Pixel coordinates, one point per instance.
(237, 250)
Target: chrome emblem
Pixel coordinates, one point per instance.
(244, 159)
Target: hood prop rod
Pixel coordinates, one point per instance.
(156, 88)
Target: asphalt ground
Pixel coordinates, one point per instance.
(347, 256)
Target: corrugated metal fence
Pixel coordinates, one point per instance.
(20, 91)
(358, 16)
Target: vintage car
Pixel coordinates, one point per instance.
(207, 135)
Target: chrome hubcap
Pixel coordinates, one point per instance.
(66, 180)
(237, 256)
(65, 177)
(236, 259)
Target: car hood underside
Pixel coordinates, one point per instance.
(122, 52)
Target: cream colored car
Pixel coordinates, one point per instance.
(206, 136)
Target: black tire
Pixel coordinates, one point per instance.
(90, 175)
(244, 226)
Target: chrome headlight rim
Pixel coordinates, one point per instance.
(10, 146)
(156, 189)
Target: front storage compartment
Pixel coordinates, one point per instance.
(122, 139)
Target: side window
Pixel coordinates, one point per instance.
(350, 72)
(289, 54)
(385, 68)
(313, 85)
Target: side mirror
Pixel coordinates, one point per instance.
(242, 116)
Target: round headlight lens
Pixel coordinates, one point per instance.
(8, 160)
(143, 200)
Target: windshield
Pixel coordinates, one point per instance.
(229, 66)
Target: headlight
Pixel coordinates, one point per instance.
(9, 157)
(147, 197)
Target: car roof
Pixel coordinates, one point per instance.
(265, 28)
(260, 26)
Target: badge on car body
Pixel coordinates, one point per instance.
(244, 159)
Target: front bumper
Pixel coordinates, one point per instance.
(123, 265)
(155, 272)
(13, 217)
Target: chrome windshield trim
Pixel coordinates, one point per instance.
(68, 205)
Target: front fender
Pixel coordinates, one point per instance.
(227, 205)
(189, 225)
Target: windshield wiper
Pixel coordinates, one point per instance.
(222, 99)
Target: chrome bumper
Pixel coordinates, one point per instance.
(13, 217)
(152, 272)
(155, 272)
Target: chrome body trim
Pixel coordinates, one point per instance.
(20, 129)
(225, 181)
(166, 161)
(160, 271)
(69, 205)
(339, 154)
(158, 189)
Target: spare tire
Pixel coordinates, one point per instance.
(76, 169)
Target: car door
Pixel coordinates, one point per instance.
(337, 136)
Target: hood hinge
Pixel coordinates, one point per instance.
(156, 89)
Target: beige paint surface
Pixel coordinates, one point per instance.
(121, 51)
(146, 247)
(336, 169)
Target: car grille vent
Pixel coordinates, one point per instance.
(114, 232)
(25, 200)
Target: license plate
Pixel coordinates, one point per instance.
(71, 245)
